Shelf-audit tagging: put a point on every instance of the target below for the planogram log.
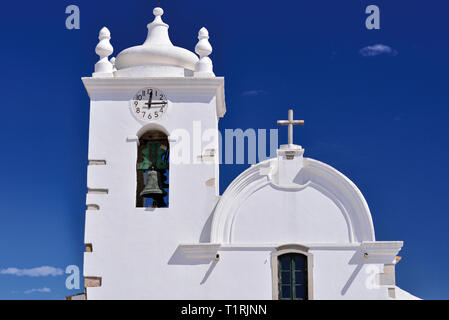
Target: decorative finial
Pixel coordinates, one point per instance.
(104, 49)
(204, 67)
(158, 30)
(158, 11)
(203, 47)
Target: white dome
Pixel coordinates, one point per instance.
(157, 55)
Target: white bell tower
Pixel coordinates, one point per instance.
(153, 89)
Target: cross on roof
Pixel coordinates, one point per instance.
(290, 122)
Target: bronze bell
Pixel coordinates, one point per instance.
(153, 186)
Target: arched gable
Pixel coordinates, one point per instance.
(322, 206)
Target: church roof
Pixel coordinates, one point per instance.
(157, 51)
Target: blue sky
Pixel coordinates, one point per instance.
(381, 120)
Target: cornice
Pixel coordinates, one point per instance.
(117, 88)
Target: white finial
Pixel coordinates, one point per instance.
(103, 68)
(158, 30)
(158, 11)
(203, 47)
(204, 67)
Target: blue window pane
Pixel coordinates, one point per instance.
(300, 262)
(285, 262)
(300, 277)
(300, 292)
(286, 292)
(285, 277)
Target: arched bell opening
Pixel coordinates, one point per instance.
(153, 170)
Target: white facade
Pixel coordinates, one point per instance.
(207, 246)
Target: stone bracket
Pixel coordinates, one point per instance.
(381, 251)
(200, 251)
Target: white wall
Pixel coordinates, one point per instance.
(301, 216)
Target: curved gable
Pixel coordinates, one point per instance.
(323, 206)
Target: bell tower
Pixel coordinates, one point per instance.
(153, 170)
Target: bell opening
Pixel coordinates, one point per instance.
(153, 170)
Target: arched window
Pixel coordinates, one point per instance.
(152, 170)
(292, 277)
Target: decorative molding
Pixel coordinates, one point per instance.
(381, 250)
(199, 251)
(293, 246)
(248, 182)
(347, 194)
(278, 246)
(123, 88)
(338, 187)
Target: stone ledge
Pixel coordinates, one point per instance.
(199, 251)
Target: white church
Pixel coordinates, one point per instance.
(288, 228)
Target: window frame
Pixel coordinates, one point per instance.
(289, 249)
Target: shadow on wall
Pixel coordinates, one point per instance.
(209, 271)
(178, 258)
(205, 233)
(359, 260)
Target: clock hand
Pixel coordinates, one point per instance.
(149, 100)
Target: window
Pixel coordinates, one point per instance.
(292, 277)
(152, 170)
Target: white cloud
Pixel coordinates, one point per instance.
(377, 49)
(44, 290)
(253, 92)
(33, 272)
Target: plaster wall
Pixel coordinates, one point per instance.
(271, 215)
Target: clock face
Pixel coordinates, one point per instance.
(149, 104)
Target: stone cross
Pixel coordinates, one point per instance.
(290, 122)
